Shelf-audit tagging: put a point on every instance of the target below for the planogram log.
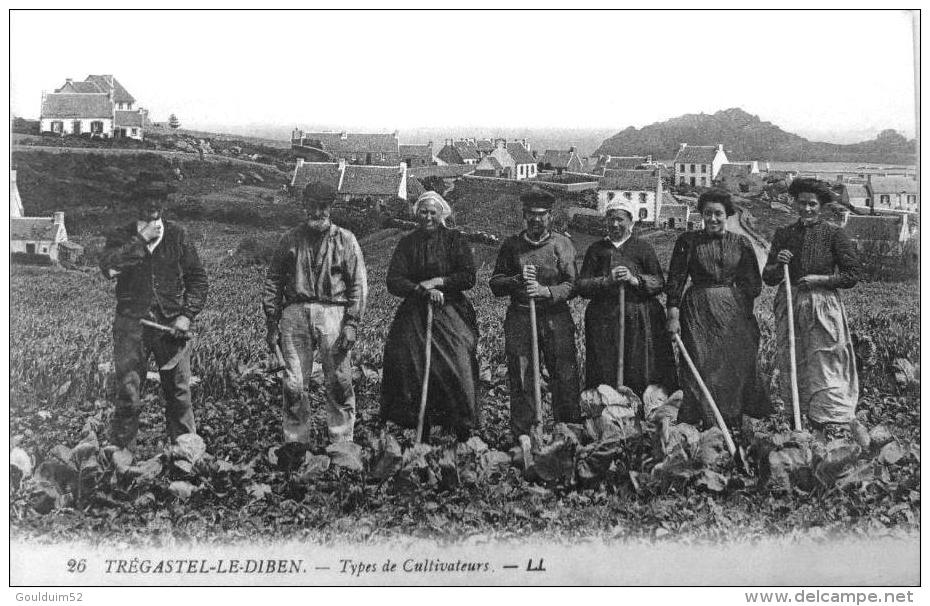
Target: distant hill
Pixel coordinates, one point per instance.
(751, 138)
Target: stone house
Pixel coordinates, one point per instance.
(642, 187)
(99, 107)
(698, 165)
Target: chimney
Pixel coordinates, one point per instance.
(526, 145)
(845, 218)
(342, 164)
(720, 147)
(300, 162)
(681, 146)
(58, 218)
(68, 80)
(343, 135)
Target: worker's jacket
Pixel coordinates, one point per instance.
(169, 280)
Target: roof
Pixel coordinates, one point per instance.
(629, 180)
(33, 228)
(734, 170)
(520, 154)
(415, 151)
(696, 154)
(316, 172)
(355, 142)
(624, 162)
(466, 149)
(894, 185)
(128, 118)
(556, 158)
(80, 87)
(673, 211)
(363, 180)
(447, 172)
(76, 105)
(668, 198)
(414, 188)
(484, 145)
(489, 162)
(865, 227)
(855, 190)
(120, 94)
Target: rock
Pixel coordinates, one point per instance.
(347, 455)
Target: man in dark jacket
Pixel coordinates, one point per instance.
(159, 278)
(538, 263)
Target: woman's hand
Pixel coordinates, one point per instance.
(436, 297)
(784, 256)
(623, 274)
(812, 281)
(432, 283)
(673, 326)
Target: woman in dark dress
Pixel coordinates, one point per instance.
(432, 266)
(821, 259)
(623, 261)
(717, 324)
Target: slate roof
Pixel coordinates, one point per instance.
(446, 172)
(414, 188)
(679, 212)
(76, 105)
(894, 185)
(624, 162)
(120, 94)
(33, 228)
(856, 190)
(316, 172)
(359, 180)
(485, 146)
(729, 171)
(355, 142)
(80, 87)
(450, 155)
(865, 227)
(629, 180)
(556, 158)
(696, 154)
(520, 154)
(128, 118)
(415, 151)
(489, 163)
(466, 149)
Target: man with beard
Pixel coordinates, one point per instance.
(314, 298)
(159, 278)
(540, 264)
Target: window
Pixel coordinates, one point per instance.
(703, 168)
(692, 180)
(45, 249)
(96, 127)
(642, 197)
(31, 249)
(681, 181)
(135, 132)
(627, 195)
(884, 200)
(643, 214)
(610, 196)
(57, 126)
(76, 127)
(681, 167)
(911, 200)
(703, 180)
(692, 168)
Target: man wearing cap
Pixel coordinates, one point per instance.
(540, 264)
(313, 299)
(159, 278)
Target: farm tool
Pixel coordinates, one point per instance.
(180, 335)
(792, 353)
(727, 438)
(424, 390)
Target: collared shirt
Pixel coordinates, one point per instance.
(152, 245)
(621, 242)
(317, 267)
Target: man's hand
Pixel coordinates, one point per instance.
(432, 283)
(436, 297)
(346, 339)
(784, 256)
(529, 273)
(151, 231)
(271, 337)
(181, 326)
(537, 291)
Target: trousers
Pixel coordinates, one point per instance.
(306, 328)
(556, 335)
(132, 346)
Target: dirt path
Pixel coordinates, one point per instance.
(737, 224)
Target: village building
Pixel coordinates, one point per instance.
(607, 162)
(354, 181)
(877, 234)
(561, 160)
(373, 149)
(484, 147)
(641, 187)
(443, 171)
(855, 195)
(894, 193)
(525, 166)
(416, 155)
(462, 151)
(675, 216)
(698, 165)
(97, 107)
(489, 166)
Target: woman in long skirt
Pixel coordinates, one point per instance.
(821, 259)
(715, 316)
(623, 261)
(433, 265)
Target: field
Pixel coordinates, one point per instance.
(61, 369)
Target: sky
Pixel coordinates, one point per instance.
(828, 75)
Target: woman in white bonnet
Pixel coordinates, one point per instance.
(433, 265)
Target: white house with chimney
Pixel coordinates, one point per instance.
(42, 236)
(354, 181)
(99, 107)
(698, 165)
